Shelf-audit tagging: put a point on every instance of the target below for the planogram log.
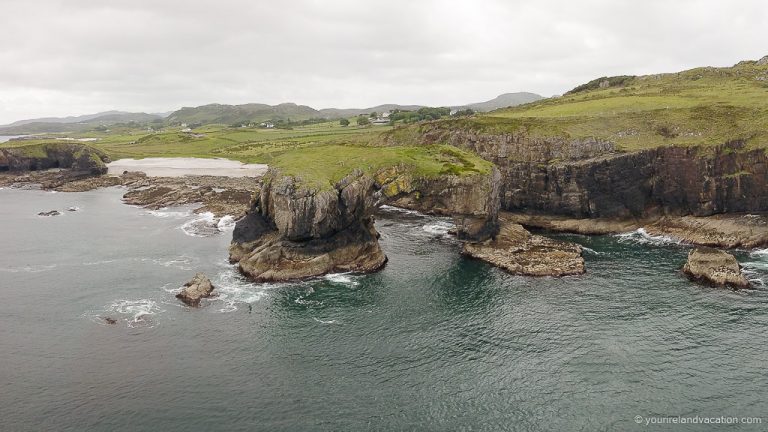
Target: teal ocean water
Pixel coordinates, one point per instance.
(435, 341)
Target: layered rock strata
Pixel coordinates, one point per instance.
(589, 178)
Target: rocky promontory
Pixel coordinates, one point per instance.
(714, 267)
(294, 231)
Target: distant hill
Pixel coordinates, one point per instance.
(230, 114)
(503, 101)
(103, 117)
(256, 113)
(351, 112)
(74, 123)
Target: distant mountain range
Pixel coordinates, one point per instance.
(247, 113)
(231, 114)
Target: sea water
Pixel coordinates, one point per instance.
(434, 341)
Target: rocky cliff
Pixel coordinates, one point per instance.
(294, 232)
(589, 178)
(79, 158)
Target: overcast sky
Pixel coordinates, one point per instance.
(70, 57)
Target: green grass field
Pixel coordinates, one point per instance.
(702, 106)
(319, 154)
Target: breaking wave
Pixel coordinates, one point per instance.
(439, 228)
(135, 313)
(641, 236)
(208, 225)
(234, 290)
(342, 278)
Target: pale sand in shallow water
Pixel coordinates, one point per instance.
(178, 167)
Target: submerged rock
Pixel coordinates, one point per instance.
(50, 213)
(110, 321)
(198, 288)
(519, 252)
(714, 267)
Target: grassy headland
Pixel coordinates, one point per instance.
(702, 106)
(319, 154)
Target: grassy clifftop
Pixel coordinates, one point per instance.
(701, 106)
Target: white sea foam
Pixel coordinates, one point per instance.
(641, 236)
(326, 322)
(203, 226)
(591, 251)
(234, 289)
(137, 312)
(100, 262)
(29, 268)
(758, 253)
(342, 278)
(165, 213)
(207, 225)
(226, 223)
(440, 227)
(390, 208)
(182, 262)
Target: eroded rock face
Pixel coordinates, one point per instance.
(519, 252)
(295, 232)
(472, 201)
(198, 288)
(588, 178)
(714, 267)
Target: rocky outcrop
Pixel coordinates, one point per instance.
(78, 158)
(198, 288)
(472, 200)
(519, 252)
(50, 213)
(714, 267)
(293, 231)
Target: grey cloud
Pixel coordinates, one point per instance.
(79, 56)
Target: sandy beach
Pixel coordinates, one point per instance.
(178, 167)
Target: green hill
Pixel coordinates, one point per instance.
(247, 113)
(701, 106)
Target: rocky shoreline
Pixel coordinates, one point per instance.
(219, 195)
(726, 231)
